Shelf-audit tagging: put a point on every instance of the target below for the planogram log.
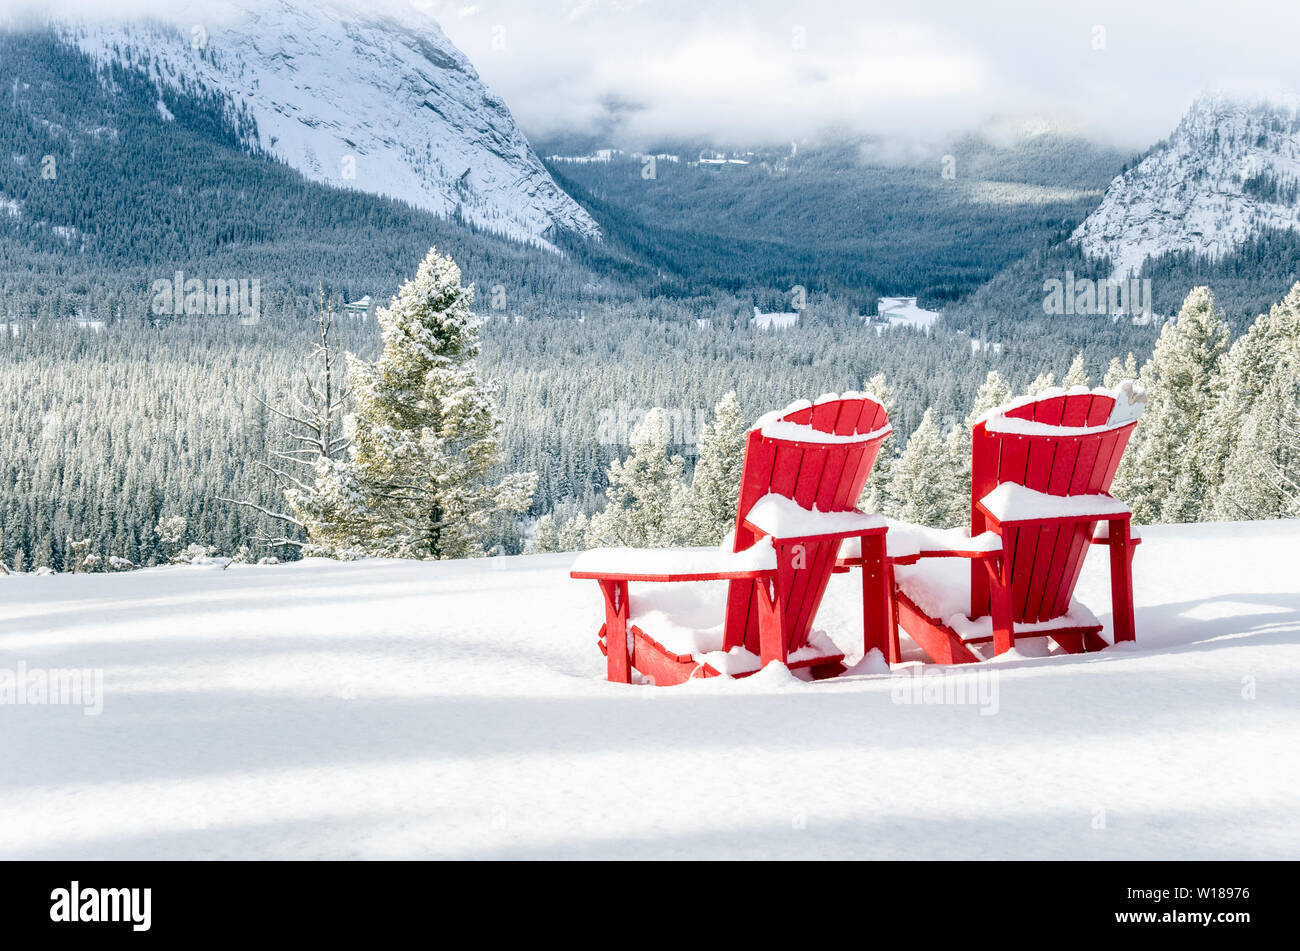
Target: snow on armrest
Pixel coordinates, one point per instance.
(782, 517)
(1011, 502)
(674, 564)
(1102, 532)
(908, 540)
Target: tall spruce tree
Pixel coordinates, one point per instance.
(644, 490)
(1163, 474)
(1077, 375)
(421, 478)
(918, 491)
(1267, 354)
(1261, 477)
(710, 509)
(873, 493)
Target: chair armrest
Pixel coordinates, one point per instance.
(907, 543)
(675, 564)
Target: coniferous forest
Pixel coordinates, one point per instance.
(126, 429)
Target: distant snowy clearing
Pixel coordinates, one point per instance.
(459, 709)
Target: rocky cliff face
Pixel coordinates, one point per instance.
(1230, 170)
(387, 107)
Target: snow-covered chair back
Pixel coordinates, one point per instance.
(1059, 444)
(818, 454)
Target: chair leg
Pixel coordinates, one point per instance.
(618, 659)
(998, 576)
(771, 630)
(876, 595)
(1121, 580)
(895, 652)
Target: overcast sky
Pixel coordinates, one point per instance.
(773, 71)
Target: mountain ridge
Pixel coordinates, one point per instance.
(353, 101)
(1229, 171)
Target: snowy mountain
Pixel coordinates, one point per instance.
(357, 101)
(1229, 171)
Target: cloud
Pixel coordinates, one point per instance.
(772, 70)
(748, 72)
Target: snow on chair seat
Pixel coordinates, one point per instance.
(780, 517)
(938, 590)
(686, 622)
(1011, 502)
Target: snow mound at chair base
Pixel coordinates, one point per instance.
(687, 620)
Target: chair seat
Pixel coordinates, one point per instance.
(940, 589)
(687, 621)
(1010, 502)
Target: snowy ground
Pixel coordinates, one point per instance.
(385, 709)
(903, 312)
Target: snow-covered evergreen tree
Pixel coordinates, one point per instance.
(993, 392)
(1248, 434)
(546, 535)
(953, 476)
(1261, 477)
(574, 533)
(1118, 371)
(709, 511)
(1044, 381)
(420, 480)
(1267, 354)
(1163, 474)
(1077, 375)
(918, 491)
(955, 473)
(873, 493)
(644, 490)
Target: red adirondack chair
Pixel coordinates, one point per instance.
(1041, 471)
(804, 470)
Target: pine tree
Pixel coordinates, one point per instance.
(917, 492)
(953, 475)
(873, 493)
(1117, 372)
(709, 511)
(1271, 347)
(573, 533)
(993, 392)
(956, 472)
(1262, 473)
(644, 489)
(1077, 375)
(546, 536)
(1162, 475)
(426, 436)
(1044, 381)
